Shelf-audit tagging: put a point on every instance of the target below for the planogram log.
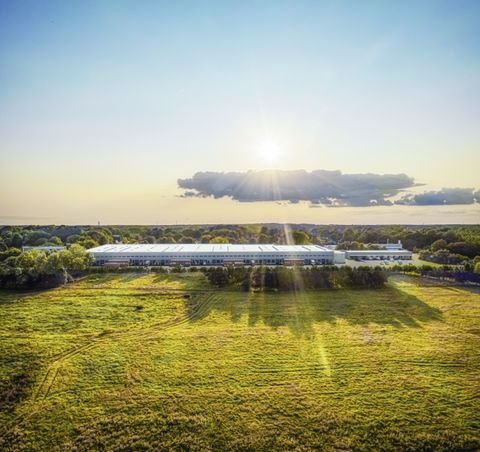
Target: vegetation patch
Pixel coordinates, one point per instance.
(14, 388)
(199, 368)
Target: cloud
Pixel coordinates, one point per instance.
(445, 196)
(332, 188)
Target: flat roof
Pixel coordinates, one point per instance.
(204, 248)
(379, 252)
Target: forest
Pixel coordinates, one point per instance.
(446, 245)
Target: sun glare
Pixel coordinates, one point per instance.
(269, 152)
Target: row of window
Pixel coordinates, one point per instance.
(214, 261)
(228, 256)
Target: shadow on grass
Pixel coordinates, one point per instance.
(300, 310)
(16, 386)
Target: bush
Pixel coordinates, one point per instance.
(284, 278)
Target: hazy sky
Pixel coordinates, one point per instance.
(105, 104)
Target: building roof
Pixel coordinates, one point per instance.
(44, 248)
(204, 248)
(378, 252)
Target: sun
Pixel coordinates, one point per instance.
(269, 152)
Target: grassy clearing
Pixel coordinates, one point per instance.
(162, 361)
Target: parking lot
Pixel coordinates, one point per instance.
(382, 263)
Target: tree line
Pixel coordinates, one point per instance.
(284, 278)
(38, 269)
(447, 245)
(460, 239)
(460, 273)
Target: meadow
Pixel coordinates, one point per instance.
(157, 362)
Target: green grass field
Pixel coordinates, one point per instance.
(136, 362)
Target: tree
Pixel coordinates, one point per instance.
(300, 238)
(17, 241)
(477, 267)
(263, 238)
(75, 258)
(464, 248)
(35, 238)
(53, 264)
(32, 262)
(9, 253)
(54, 241)
(187, 239)
(439, 245)
(349, 235)
(102, 236)
(218, 276)
(219, 239)
(206, 238)
(88, 243)
(167, 239)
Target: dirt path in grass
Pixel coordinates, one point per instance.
(198, 306)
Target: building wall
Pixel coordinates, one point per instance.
(47, 249)
(146, 255)
(215, 258)
(381, 254)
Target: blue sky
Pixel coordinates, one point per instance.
(130, 96)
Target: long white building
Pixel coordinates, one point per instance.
(385, 254)
(215, 254)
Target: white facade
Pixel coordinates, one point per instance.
(47, 249)
(214, 254)
(390, 246)
(393, 254)
(339, 257)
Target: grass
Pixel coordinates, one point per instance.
(136, 362)
(418, 261)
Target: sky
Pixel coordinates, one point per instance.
(104, 105)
